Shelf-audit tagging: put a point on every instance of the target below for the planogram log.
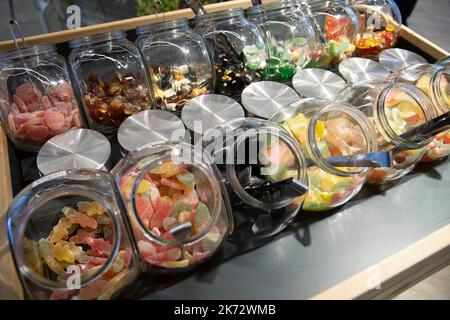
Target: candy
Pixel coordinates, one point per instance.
(80, 240)
(144, 208)
(38, 117)
(91, 208)
(60, 231)
(179, 206)
(83, 220)
(124, 278)
(161, 212)
(201, 217)
(46, 251)
(110, 103)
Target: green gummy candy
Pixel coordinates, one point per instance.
(180, 206)
(202, 216)
(299, 42)
(343, 185)
(209, 243)
(186, 178)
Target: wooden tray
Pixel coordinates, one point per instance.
(9, 285)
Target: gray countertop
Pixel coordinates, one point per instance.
(324, 249)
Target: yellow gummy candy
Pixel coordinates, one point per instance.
(144, 186)
(46, 252)
(320, 130)
(91, 208)
(62, 252)
(176, 264)
(423, 84)
(60, 231)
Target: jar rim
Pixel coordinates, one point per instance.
(16, 244)
(364, 125)
(24, 52)
(284, 136)
(422, 100)
(97, 38)
(440, 103)
(216, 208)
(162, 25)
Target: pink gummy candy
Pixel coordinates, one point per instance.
(28, 93)
(83, 236)
(61, 92)
(55, 120)
(100, 246)
(83, 220)
(96, 261)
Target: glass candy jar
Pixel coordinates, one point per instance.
(180, 66)
(36, 97)
(380, 22)
(238, 49)
(173, 196)
(394, 109)
(326, 129)
(69, 237)
(290, 36)
(433, 80)
(264, 171)
(338, 27)
(111, 77)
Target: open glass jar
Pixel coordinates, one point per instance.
(112, 79)
(69, 237)
(180, 66)
(433, 80)
(36, 97)
(264, 171)
(326, 129)
(380, 22)
(338, 27)
(394, 109)
(173, 195)
(290, 35)
(238, 49)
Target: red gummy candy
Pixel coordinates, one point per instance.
(93, 290)
(20, 104)
(61, 295)
(55, 120)
(83, 236)
(37, 133)
(160, 214)
(96, 261)
(61, 92)
(28, 93)
(100, 246)
(83, 220)
(45, 103)
(144, 208)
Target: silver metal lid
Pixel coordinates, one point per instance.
(74, 149)
(360, 69)
(150, 126)
(208, 111)
(395, 59)
(318, 83)
(264, 98)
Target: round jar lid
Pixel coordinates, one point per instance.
(150, 126)
(208, 111)
(360, 69)
(264, 98)
(74, 149)
(395, 59)
(318, 83)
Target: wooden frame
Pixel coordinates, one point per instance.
(404, 268)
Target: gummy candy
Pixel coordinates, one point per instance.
(60, 231)
(83, 220)
(201, 217)
(83, 238)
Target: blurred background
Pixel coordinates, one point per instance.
(429, 18)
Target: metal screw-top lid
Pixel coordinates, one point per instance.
(395, 59)
(150, 126)
(360, 69)
(208, 111)
(74, 149)
(264, 98)
(318, 83)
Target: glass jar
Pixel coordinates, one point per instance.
(327, 129)
(180, 66)
(36, 97)
(338, 27)
(264, 171)
(394, 109)
(290, 36)
(238, 49)
(380, 22)
(173, 196)
(69, 237)
(433, 80)
(111, 77)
